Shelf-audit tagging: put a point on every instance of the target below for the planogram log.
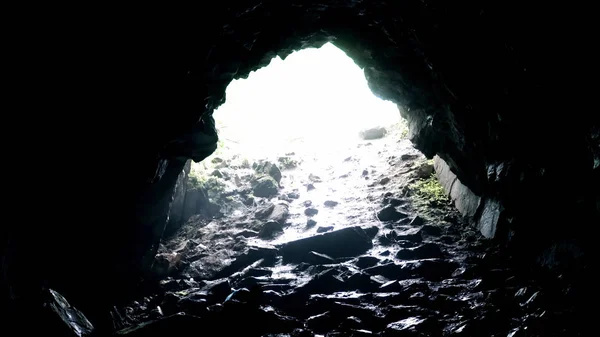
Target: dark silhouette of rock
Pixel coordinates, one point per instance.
(265, 187)
(349, 241)
(390, 214)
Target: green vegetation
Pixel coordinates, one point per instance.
(194, 181)
(213, 185)
(401, 128)
(287, 162)
(429, 192)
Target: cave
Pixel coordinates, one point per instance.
(117, 105)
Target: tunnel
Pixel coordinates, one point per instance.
(495, 93)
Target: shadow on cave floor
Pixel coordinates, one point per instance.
(346, 244)
(357, 244)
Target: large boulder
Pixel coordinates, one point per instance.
(268, 168)
(265, 187)
(346, 242)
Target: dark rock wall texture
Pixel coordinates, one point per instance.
(111, 101)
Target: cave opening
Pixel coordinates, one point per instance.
(474, 79)
(315, 119)
(316, 98)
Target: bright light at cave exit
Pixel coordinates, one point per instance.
(315, 99)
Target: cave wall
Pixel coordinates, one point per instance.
(496, 89)
(176, 212)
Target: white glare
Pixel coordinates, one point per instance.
(317, 98)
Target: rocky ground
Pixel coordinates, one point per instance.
(353, 243)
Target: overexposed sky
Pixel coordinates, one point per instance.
(319, 94)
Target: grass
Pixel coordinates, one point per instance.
(429, 192)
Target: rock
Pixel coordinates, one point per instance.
(562, 254)
(431, 230)
(393, 270)
(310, 223)
(270, 169)
(396, 202)
(314, 178)
(287, 162)
(365, 173)
(371, 231)
(390, 213)
(435, 269)
(279, 214)
(244, 260)
(174, 325)
(315, 258)
(426, 251)
(264, 212)
(218, 290)
(197, 202)
(323, 229)
(217, 174)
(249, 201)
(351, 323)
(321, 323)
(240, 295)
(408, 156)
(256, 272)
(57, 317)
(350, 241)
(330, 203)
(247, 233)
(176, 216)
(265, 187)
(166, 264)
(362, 282)
(302, 333)
(384, 180)
(407, 243)
(361, 333)
(412, 234)
(387, 239)
(270, 229)
(293, 195)
(391, 287)
(194, 303)
(252, 282)
(465, 200)
(406, 327)
(416, 221)
(307, 203)
(373, 133)
(310, 187)
(488, 220)
(284, 198)
(424, 171)
(326, 282)
(156, 313)
(366, 262)
(311, 211)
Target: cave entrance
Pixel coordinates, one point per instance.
(314, 118)
(314, 100)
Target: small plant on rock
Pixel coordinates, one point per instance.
(195, 179)
(429, 192)
(287, 162)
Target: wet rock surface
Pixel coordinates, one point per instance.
(375, 265)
